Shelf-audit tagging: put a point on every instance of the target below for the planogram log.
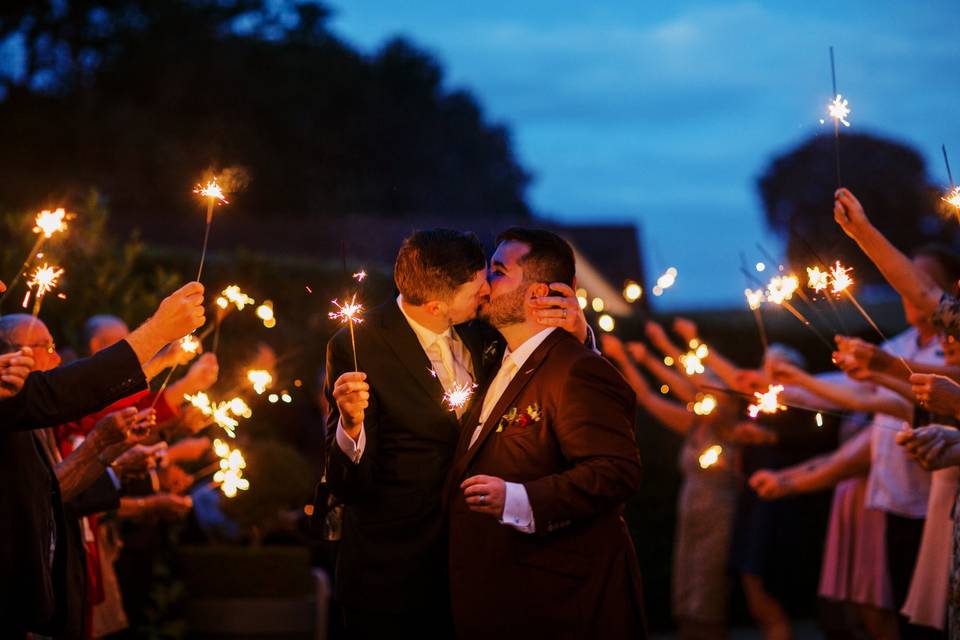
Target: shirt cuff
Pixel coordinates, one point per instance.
(353, 450)
(591, 341)
(113, 478)
(517, 512)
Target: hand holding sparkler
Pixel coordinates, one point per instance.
(936, 393)
(352, 395)
(849, 214)
(180, 313)
(933, 447)
(769, 485)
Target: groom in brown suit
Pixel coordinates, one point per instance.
(546, 458)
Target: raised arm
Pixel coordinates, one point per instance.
(672, 415)
(911, 283)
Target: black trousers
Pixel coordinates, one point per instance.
(903, 544)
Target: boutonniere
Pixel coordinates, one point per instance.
(514, 418)
(490, 353)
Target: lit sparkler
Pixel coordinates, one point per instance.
(458, 395)
(230, 475)
(710, 457)
(817, 280)
(349, 313)
(767, 402)
(953, 198)
(261, 380)
(233, 295)
(44, 280)
(781, 288)
(705, 405)
(49, 222)
(240, 408)
(222, 418)
(840, 279)
(360, 275)
(839, 109)
(190, 343)
(213, 192)
(754, 298)
(692, 361)
(265, 313)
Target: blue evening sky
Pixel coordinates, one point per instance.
(664, 113)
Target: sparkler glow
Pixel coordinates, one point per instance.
(44, 280)
(265, 313)
(360, 275)
(710, 457)
(839, 109)
(692, 361)
(782, 288)
(754, 298)
(49, 222)
(230, 476)
(213, 192)
(953, 198)
(190, 343)
(233, 295)
(705, 405)
(817, 280)
(222, 418)
(349, 313)
(840, 278)
(767, 402)
(458, 395)
(261, 380)
(240, 408)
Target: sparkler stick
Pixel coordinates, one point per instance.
(823, 265)
(838, 110)
(348, 313)
(754, 301)
(953, 197)
(213, 193)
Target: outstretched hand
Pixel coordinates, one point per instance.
(849, 213)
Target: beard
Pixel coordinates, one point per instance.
(506, 309)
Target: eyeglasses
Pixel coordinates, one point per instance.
(49, 347)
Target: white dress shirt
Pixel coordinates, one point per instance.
(517, 511)
(449, 359)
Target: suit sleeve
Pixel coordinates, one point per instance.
(68, 393)
(594, 426)
(349, 481)
(101, 496)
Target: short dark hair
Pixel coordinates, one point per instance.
(550, 258)
(432, 263)
(947, 258)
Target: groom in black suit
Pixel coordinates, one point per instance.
(394, 434)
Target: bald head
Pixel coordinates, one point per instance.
(19, 330)
(103, 331)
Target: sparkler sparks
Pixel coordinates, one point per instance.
(705, 405)
(782, 288)
(817, 280)
(840, 278)
(222, 418)
(233, 295)
(190, 343)
(710, 457)
(839, 109)
(767, 402)
(692, 361)
(360, 275)
(458, 395)
(230, 476)
(49, 222)
(265, 313)
(201, 401)
(261, 380)
(44, 279)
(240, 408)
(348, 313)
(953, 198)
(211, 190)
(754, 298)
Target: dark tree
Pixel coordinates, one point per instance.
(888, 177)
(139, 97)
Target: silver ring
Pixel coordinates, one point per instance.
(483, 498)
(564, 314)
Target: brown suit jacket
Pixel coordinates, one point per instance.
(577, 575)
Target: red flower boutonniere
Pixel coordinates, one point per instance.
(514, 418)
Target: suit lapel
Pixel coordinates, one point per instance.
(520, 380)
(403, 341)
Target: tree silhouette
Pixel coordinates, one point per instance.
(138, 98)
(888, 177)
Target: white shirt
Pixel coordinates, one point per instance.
(463, 374)
(517, 511)
(896, 483)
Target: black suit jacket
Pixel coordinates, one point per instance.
(392, 555)
(32, 595)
